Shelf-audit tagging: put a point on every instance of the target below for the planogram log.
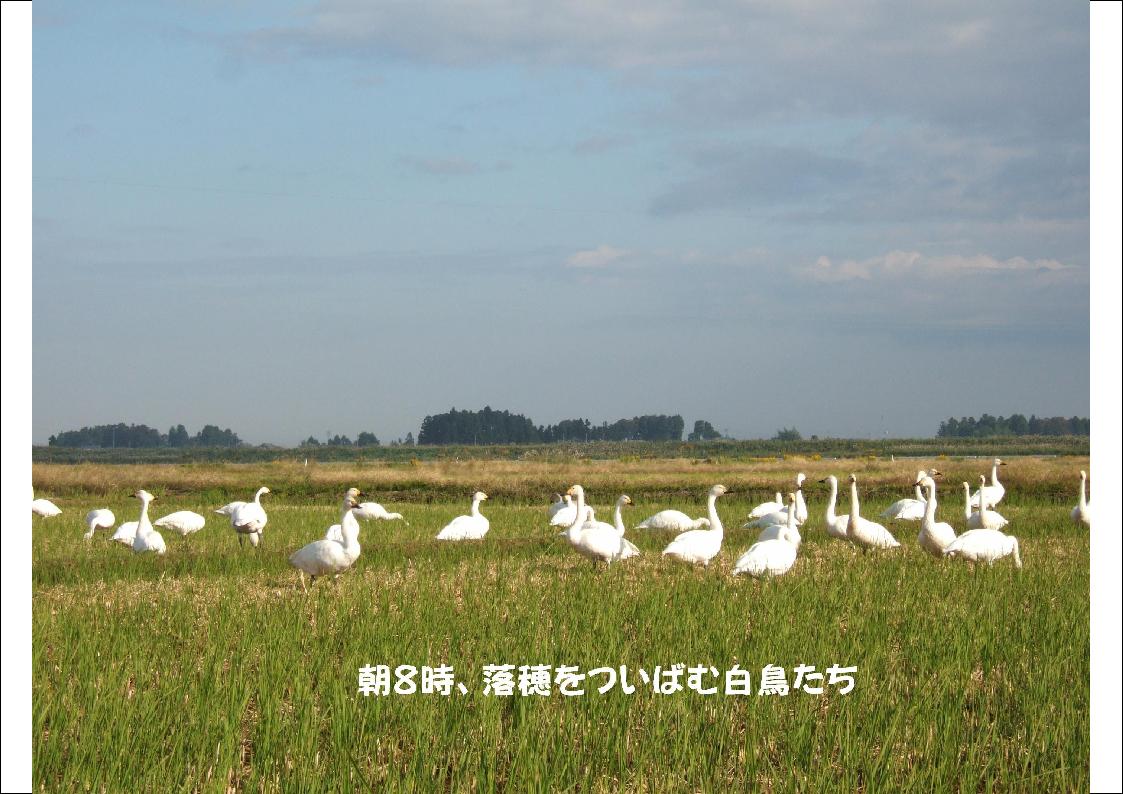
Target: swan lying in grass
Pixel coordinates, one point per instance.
(673, 521)
(126, 533)
(935, 536)
(249, 518)
(910, 509)
(45, 508)
(470, 527)
(101, 518)
(375, 511)
(331, 557)
(561, 502)
(836, 524)
(564, 516)
(779, 516)
(984, 518)
(764, 508)
(787, 532)
(775, 555)
(700, 545)
(993, 492)
(864, 533)
(146, 538)
(1082, 513)
(183, 522)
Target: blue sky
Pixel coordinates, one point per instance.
(856, 218)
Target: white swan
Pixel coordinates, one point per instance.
(44, 507)
(375, 511)
(229, 508)
(984, 518)
(147, 539)
(126, 533)
(331, 557)
(787, 531)
(673, 521)
(800, 504)
(865, 533)
(995, 491)
(764, 508)
(773, 556)
(249, 519)
(984, 545)
(1082, 513)
(564, 516)
(596, 540)
(627, 548)
(836, 524)
(470, 527)
(935, 536)
(561, 502)
(183, 522)
(101, 518)
(910, 509)
(700, 545)
(779, 517)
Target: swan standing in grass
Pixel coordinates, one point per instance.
(700, 545)
(910, 509)
(1082, 513)
(935, 536)
(773, 556)
(836, 524)
(984, 518)
(673, 521)
(984, 545)
(995, 491)
(788, 531)
(126, 533)
(596, 540)
(764, 508)
(375, 511)
(249, 519)
(101, 518)
(863, 532)
(470, 527)
(147, 539)
(331, 557)
(44, 507)
(183, 522)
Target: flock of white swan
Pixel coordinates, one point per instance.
(700, 539)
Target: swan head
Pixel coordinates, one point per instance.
(830, 479)
(926, 482)
(143, 496)
(263, 490)
(799, 478)
(351, 498)
(935, 473)
(791, 498)
(718, 490)
(479, 496)
(1083, 474)
(853, 479)
(575, 492)
(999, 462)
(982, 479)
(624, 500)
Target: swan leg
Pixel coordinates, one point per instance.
(241, 540)
(303, 586)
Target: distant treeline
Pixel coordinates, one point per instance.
(1014, 425)
(140, 436)
(503, 427)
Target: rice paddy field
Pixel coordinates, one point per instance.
(210, 670)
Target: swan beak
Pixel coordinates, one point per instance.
(937, 473)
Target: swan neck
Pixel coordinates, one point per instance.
(475, 508)
(853, 500)
(620, 518)
(831, 503)
(349, 528)
(711, 511)
(1083, 492)
(930, 504)
(579, 518)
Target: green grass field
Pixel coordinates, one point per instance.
(210, 670)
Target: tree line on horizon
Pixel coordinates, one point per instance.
(489, 426)
(1013, 425)
(137, 436)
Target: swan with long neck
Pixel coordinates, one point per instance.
(470, 527)
(993, 492)
(800, 504)
(934, 535)
(836, 524)
(773, 556)
(332, 557)
(563, 516)
(147, 539)
(101, 518)
(1082, 513)
(596, 540)
(984, 517)
(700, 545)
(910, 509)
(250, 518)
(864, 533)
(788, 531)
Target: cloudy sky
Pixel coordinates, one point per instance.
(857, 218)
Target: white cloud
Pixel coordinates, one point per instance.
(601, 256)
(913, 264)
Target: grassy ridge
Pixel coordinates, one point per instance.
(209, 669)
